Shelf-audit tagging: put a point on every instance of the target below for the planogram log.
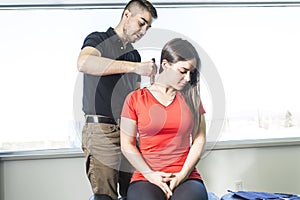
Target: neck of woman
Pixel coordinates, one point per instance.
(162, 86)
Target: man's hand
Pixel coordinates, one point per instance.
(147, 68)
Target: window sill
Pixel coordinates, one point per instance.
(41, 154)
(77, 152)
(253, 143)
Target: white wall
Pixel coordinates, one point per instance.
(47, 179)
(1, 182)
(271, 169)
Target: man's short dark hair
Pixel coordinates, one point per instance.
(142, 5)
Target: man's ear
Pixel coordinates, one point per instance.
(127, 13)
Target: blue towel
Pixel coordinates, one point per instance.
(250, 195)
(212, 196)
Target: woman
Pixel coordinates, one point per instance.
(168, 116)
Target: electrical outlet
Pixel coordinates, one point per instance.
(238, 185)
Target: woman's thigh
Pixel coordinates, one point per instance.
(191, 190)
(144, 190)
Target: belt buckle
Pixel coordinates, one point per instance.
(95, 119)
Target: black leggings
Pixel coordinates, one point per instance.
(144, 190)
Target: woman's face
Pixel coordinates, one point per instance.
(179, 73)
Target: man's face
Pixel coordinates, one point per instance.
(136, 25)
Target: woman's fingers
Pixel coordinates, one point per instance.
(165, 188)
(172, 184)
(161, 179)
(166, 179)
(165, 175)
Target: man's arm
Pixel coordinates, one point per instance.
(91, 62)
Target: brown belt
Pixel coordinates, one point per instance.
(97, 119)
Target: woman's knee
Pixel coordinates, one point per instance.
(144, 190)
(190, 189)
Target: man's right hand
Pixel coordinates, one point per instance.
(147, 68)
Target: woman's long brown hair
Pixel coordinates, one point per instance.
(182, 50)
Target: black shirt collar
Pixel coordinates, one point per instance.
(115, 38)
(112, 34)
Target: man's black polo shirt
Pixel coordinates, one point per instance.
(105, 95)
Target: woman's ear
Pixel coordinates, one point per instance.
(165, 64)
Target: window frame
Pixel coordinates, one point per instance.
(76, 152)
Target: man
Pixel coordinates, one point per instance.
(112, 68)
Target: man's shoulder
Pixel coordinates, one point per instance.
(99, 35)
(97, 39)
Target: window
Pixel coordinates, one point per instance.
(253, 49)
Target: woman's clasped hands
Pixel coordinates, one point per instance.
(165, 181)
